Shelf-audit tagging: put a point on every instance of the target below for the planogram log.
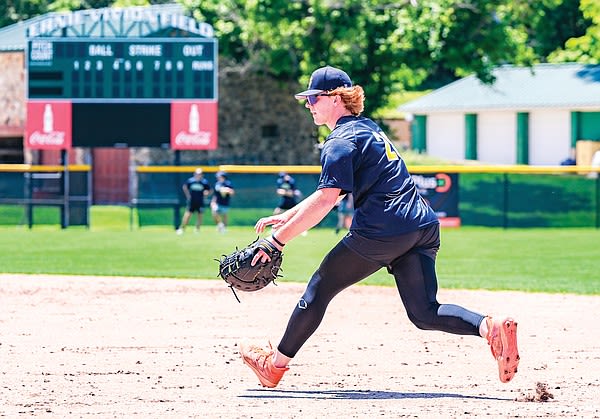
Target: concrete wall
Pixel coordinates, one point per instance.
(446, 136)
(549, 136)
(496, 137)
(260, 122)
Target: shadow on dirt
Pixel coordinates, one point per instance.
(356, 395)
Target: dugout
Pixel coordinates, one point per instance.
(45, 195)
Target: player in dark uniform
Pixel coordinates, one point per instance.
(287, 191)
(221, 200)
(345, 212)
(195, 189)
(392, 228)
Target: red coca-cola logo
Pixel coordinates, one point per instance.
(48, 125)
(198, 139)
(54, 138)
(194, 125)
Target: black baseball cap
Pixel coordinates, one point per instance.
(325, 79)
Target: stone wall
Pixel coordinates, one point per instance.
(12, 94)
(260, 122)
(12, 107)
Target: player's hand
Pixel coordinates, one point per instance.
(275, 221)
(262, 256)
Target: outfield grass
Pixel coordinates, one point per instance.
(537, 260)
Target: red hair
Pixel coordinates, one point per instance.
(353, 98)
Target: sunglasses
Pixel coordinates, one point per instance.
(312, 99)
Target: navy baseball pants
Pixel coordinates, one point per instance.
(410, 258)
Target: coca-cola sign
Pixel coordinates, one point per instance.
(48, 125)
(194, 125)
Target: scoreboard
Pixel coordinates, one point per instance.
(122, 69)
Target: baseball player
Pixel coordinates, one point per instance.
(221, 199)
(392, 227)
(286, 189)
(195, 189)
(345, 211)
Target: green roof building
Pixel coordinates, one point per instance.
(530, 115)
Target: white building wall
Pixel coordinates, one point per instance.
(497, 137)
(549, 136)
(446, 136)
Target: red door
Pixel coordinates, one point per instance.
(110, 174)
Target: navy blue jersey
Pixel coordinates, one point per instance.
(358, 157)
(288, 184)
(223, 198)
(196, 189)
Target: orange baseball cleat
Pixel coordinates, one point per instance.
(261, 362)
(502, 338)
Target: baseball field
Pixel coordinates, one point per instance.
(135, 324)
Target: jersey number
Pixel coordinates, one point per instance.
(390, 151)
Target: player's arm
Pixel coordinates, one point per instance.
(227, 190)
(186, 191)
(303, 216)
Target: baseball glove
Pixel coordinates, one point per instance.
(237, 271)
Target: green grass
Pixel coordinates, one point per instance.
(536, 260)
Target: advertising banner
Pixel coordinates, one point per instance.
(441, 191)
(194, 125)
(48, 125)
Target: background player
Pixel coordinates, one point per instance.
(286, 189)
(221, 200)
(393, 227)
(345, 211)
(195, 189)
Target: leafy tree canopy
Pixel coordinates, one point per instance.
(585, 48)
(385, 45)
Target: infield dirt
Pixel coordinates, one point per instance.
(125, 347)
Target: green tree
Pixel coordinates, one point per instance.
(385, 45)
(12, 11)
(458, 38)
(550, 23)
(585, 48)
(382, 44)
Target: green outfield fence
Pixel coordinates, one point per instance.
(33, 194)
(495, 196)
